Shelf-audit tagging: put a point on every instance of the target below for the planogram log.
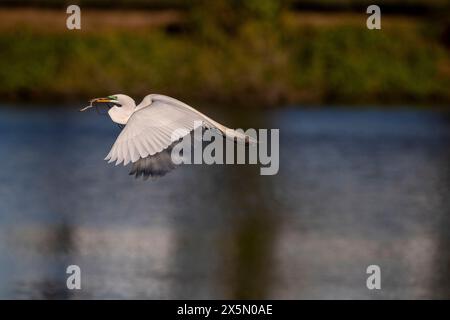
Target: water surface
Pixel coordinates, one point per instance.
(355, 188)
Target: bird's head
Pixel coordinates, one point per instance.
(120, 106)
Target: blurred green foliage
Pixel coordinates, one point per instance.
(186, 4)
(237, 52)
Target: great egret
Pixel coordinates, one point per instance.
(146, 140)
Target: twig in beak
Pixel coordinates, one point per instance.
(85, 108)
(89, 106)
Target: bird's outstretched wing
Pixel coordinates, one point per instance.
(154, 166)
(159, 164)
(146, 140)
(148, 137)
(149, 131)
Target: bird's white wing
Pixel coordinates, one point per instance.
(149, 130)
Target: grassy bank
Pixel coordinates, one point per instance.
(292, 58)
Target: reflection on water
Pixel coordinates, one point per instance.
(354, 189)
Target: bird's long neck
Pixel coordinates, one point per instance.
(121, 114)
(129, 107)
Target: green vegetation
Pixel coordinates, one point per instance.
(251, 52)
(184, 4)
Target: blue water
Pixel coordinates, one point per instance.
(355, 188)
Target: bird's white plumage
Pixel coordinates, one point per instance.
(152, 130)
(149, 129)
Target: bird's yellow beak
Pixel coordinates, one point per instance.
(99, 100)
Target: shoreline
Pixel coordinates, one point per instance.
(307, 58)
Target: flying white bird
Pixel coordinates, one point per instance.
(146, 140)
